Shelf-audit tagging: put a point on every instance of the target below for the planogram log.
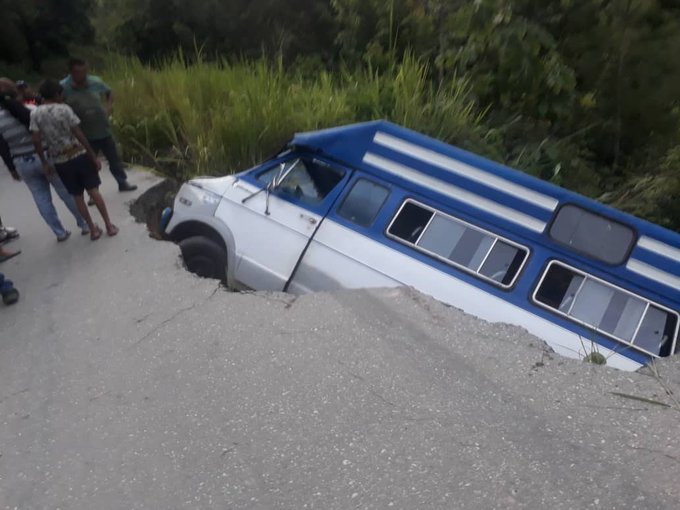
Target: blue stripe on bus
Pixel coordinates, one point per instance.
(455, 168)
(471, 186)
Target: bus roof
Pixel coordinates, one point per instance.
(499, 193)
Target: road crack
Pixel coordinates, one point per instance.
(174, 316)
(650, 450)
(367, 385)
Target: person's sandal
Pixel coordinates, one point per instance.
(96, 233)
(112, 231)
(6, 256)
(8, 234)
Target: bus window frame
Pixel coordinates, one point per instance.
(570, 318)
(449, 262)
(551, 224)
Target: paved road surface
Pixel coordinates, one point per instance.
(126, 383)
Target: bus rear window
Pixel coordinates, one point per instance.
(593, 235)
(608, 309)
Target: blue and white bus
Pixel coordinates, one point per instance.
(378, 205)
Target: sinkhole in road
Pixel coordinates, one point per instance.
(200, 255)
(147, 208)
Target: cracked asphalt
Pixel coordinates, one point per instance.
(126, 382)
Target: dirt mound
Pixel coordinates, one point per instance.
(148, 207)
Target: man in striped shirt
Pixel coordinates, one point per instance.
(18, 152)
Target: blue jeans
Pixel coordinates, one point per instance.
(5, 285)
(30, 170)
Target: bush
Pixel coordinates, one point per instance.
(653, 196)
(218, 118)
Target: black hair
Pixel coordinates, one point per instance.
(50, 89)
(75, 62)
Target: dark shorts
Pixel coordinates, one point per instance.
(78, 174)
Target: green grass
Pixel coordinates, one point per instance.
(216, 118)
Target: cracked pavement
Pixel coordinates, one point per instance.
(126, 382)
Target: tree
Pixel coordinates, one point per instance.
(153, 29)
(33, 31)
(623, 52)
(383, 31)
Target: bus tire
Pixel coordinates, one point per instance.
(204, 257)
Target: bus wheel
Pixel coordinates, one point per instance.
(204, 257)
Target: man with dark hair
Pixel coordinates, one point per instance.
(92, 101)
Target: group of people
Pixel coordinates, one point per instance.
(52, 140)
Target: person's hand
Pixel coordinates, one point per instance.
(15, 175)
(97, 164)
(48, 170)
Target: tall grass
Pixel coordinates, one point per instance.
(218, 118)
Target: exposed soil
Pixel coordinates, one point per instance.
(150, 204)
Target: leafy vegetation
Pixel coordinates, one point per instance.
(34, 31)
(210, 117)
(580, 92)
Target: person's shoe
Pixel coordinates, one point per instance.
(126, 186)
(84, 230)
(61, 239)
(6, 255)
(10, 296)
(8, 233)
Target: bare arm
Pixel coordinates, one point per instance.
(80, 136)
(40, 151)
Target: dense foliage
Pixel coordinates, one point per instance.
(580, 92)
(34, 31)
(210, 118)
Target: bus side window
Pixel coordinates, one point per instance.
(608, 309)
(593, 235)
(459, 243)
(503, 263)
(410, 222)
(363, 203)
(656, 331)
